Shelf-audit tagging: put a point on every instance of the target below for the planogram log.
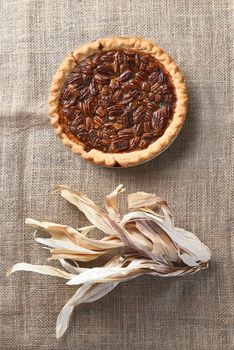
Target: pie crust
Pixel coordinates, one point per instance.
(130, 158)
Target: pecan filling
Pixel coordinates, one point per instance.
(117, 101)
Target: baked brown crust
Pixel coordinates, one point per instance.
(127, 158)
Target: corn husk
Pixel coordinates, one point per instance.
(69, 243)
(153, 245)
(42, 269)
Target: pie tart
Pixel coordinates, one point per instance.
(118, 101)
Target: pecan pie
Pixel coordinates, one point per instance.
(118, 101)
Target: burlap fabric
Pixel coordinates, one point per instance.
(194, 175)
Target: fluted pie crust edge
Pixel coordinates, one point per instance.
(131, 158)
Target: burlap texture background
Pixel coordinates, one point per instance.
(194, 175)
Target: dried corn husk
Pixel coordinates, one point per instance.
(155, 246)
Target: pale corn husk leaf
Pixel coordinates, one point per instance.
(191, 247)
(100, 275)
(59, 232)
(95, 215)
(112, 273)
(132, 216)
(57, 254)
(85, 230)
(85, 294)
(42, 269)
(168, 217)
(54, 243)
(147, 202)
(74, 237)
(71, 268)
(141, 200)
(112, 205)
(79, 253)
(113, 239)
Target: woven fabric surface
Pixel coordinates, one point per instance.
(193, 175)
